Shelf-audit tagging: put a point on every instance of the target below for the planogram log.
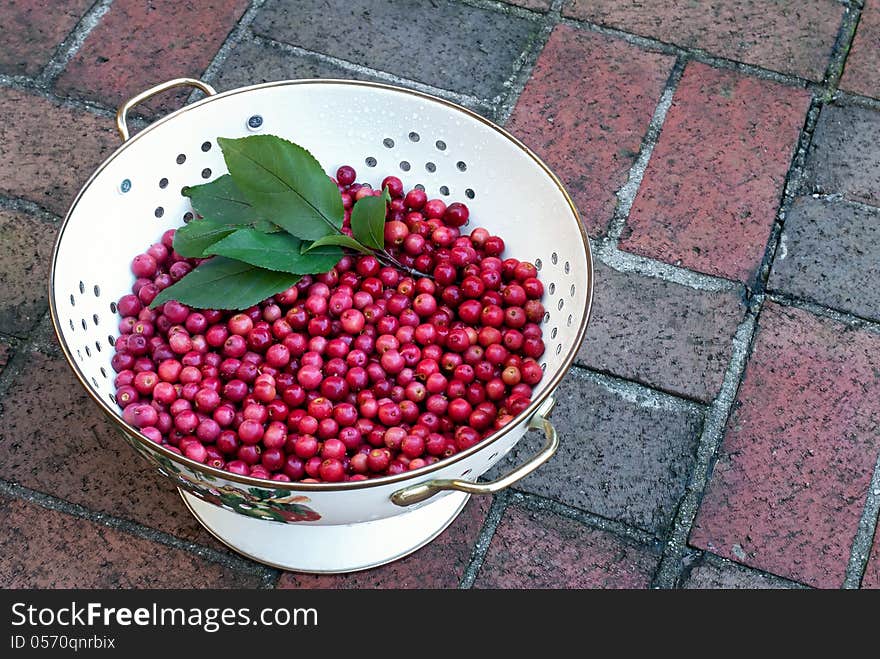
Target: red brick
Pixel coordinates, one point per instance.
(585, 111)
(871, 578)
(139, 44)
(791, 36)
(714, 182)
(41, 548)
(55, 439)
(439, 564)
(542, 550)
(49, 151)
(24, 261)
(31, 30)
(791, 479)
(718, 574)
(862, 72)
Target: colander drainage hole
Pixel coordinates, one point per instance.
(96, 290)
(462, 165)
(441, 145)
(538, 264)
(72, 326)
(181, 158)
(469, 193)
(554, 258)
(206, 172)
(558, 348)
(431, 167)
(163, 183)
(111, 340)
(82, 288)
(571, 290)
(552, 288)
(95, 318)
(405, 166)
(444, 190)
(98, 346)
(388, 142)
(554, 332)
(103, 372)
(371, 161)
(419, 186)
(187, 217)
(84, 324)
(414, 136)
(113, 307)
(206, 146)
(159, 212)
(570, 320)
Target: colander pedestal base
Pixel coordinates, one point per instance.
(327, 549)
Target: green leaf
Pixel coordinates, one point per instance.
(276, 251)
(368, 220)
(191, 240)
(226, 284)
(285, 184)
(221, 200)
(336, 239)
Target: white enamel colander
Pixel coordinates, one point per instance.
(456, 155)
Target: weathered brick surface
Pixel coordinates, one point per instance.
(791, 36)
(791, 479)
(24, 261)
(624, 459)
(54, 439)
(439, 42)
(731, 576)
(714, 182)
(42, 548)
(585, 110)
(137, 45)
(862, 72)
(662, 334)
(871, 578)
(845, 154)
(31, 30)
(830, 253)
(439, 564)
(250, 62)
(49, 151)
(543, 550)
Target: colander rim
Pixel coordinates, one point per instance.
(526, 414)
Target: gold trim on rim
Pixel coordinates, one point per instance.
(116, 419)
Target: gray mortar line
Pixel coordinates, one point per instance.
(794, 181)
(505, 103)
(72, 43)
(484, 539)
(235, 37)
(850, 319)
(857, 100)
(626, 195)
(637, 393)
(842, 45)
(710, 439)
(863, 540)
(29, 85)
(536, 502)
(231, 561)
(29, 208)
(360, 69)
(509, 9)
(628, 262)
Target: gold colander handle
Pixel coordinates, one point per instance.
(152, 91)
(422, 491)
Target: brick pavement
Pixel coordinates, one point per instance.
(720, 428)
